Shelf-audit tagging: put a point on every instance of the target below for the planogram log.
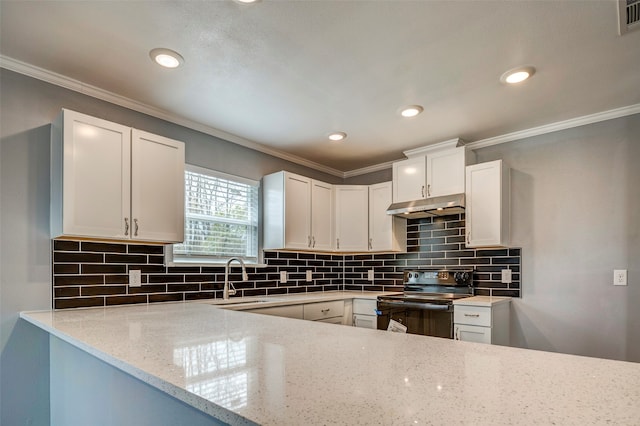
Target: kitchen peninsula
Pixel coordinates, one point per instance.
(243, 368)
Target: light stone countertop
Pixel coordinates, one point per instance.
(303, 372)
(482, 301)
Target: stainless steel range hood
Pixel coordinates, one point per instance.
(436, 206)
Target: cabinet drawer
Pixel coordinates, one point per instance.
(365, 306)
(472, 315)
(322, 310)
(472, 333)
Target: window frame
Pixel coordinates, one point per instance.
(175, 260)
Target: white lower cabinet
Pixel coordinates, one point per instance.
(364, 313)
(482, 319)
(472, 333)
(287, 311)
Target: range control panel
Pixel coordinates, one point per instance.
(448, 277)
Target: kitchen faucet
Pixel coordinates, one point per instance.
(226, 292)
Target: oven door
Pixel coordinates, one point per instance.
(423, 318)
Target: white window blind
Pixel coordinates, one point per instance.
(221, 218)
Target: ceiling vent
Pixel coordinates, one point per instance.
(628, 16)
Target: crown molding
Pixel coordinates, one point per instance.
(95, 92)
(554, 127)
(369, 169)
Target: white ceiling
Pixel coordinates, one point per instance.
(286, 73)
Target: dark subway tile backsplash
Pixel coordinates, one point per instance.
(96, 274)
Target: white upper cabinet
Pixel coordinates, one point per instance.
(409, 179)
(108, 180)
(487, 204)
(429, 172)
(352, 211)
(445, 172)
(386, 232)
(298, 212)
(305, 214)
(157, 187)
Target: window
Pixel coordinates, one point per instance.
(221, 218)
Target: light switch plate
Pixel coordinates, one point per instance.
(620, 277)
(283, 276)
(309, 275)
(370, 275)
(506, 276)
(135, 278)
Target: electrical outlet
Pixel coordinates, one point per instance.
(309, 275)
(620, 277)
(283, 276)
(506, 276)
(135, 278)
(370, 275)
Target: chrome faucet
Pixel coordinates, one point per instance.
(226, 292)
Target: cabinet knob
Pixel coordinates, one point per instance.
(325, 310)
(422, 190)
(135, 229)
(313, 242)
(338, 243)
(472, 315)
(126, 226)
(309, 241)
(429, 190)
(370, 244)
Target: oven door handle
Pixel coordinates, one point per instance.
(425, 306)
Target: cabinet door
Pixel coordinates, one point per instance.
(157, 188)
(409, 180)
(96, 177)
(472, 333)
(352, 213)
(381, 235)
(365, 321)
(445, 172)
(487, 204)
(321, 215)
(297, 215)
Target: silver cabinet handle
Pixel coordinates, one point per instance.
(370, 244)
(325, 310)
(429, 190)
(313, 242)
(468, 237)
(457, 333)
(422, 191)
(135, 229)
(126, 226)
(472, 315)
(338, 243)
(308, 240)
(353, 321)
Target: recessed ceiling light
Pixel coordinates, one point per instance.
(246, 1)
(166, 57)
(517, 75)
(411, 111)
(337, 136)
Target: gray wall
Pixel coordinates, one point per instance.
(576, 215)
